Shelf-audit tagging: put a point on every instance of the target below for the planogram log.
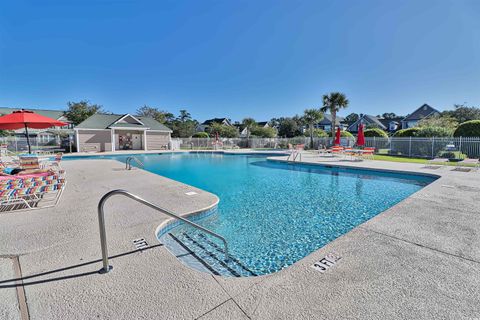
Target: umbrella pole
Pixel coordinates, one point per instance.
(28, 139)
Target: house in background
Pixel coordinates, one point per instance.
(44, 135)
(368, 121)
(326, 123)
(389, 125)
(207, 123)
(113, 132)
(243, 130)
(423, 112)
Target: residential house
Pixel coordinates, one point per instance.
(243, 130)
(207, 123)
(369, 121)
(113, 132)
(43, 135)
(326, 123)
(422, 112)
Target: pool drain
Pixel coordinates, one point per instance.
(140, 244)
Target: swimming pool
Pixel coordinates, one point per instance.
(273, 213)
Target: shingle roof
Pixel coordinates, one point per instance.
(215, 120)
(327, 120)
(368, 119)
(422, 112)
(105, 121)
(54, 114)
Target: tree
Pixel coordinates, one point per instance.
(409, 132)
(264, 132)
(184, 116)
(389, 115)
(463, 113)
(222, 130)
(79, 111)
(249, 123)
(443, 125)
(288, 128)
(351, 118)
(311, 117)
(153, 112)
(183, 126)
(333, 103)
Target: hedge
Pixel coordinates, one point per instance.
(344, 134)
(410, 132)
(468, 129)
(375, 132)
(200, 135)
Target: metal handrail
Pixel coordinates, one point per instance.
(128, 162)
(103, 235)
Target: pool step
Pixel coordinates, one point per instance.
(210, 255)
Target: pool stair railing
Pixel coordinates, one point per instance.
(103, 235)
(128, 162)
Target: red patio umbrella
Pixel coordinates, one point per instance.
(27, 119)
(337, 137)
(361, 136)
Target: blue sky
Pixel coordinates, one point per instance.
(261, 59)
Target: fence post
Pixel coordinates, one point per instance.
(433, 144)
(16, 145)
(374, 143)
(460, 145)
(410, 147)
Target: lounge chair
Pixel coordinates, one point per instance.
(436, 163)
(30, 192)
(475, 163)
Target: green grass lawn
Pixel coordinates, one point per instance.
(411, 160)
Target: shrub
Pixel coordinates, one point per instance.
(434, 132)
(410, 132)
(375, 132)
(264, 132)
(452, 155)
(468, 129)
(343, 134)
(200, 135)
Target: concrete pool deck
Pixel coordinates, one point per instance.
(419, 259)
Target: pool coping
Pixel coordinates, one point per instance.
(382, 260)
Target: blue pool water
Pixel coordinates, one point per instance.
(273, 214)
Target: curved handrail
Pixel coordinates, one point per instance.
(103, 235)
(128, 162)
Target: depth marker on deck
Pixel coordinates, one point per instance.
(326, 263)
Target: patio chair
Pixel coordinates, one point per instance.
(470, 162)
(436, 163)
(30, 192)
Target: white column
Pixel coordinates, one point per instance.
(113, 139)
(77, 137)
(145, 140)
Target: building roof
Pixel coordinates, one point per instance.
(386, 122)
(106, 121)
(424, 111)
(54, 114)
(327, 120)
(215, 120)
(366, 119)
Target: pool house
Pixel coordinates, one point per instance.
(115, 132)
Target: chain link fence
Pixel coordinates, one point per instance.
(19, 144)
(407, 147)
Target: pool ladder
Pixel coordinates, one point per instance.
(103, 235)
(294, 155)
(128, 162)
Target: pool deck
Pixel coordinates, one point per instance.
(418, 260)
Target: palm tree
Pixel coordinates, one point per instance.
(332, 103)
(312, 117)
(249, 123)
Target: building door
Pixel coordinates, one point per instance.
(136, 141)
